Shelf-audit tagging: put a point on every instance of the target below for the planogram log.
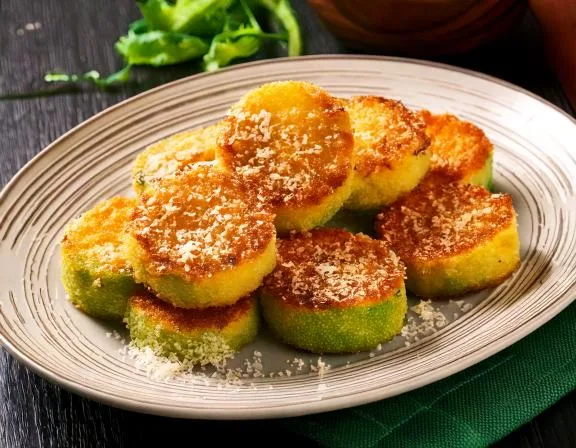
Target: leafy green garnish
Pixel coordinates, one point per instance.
(240, 38)
(283, 13)
(158, 48)
(199, 17)
(121, 76)
(175, 31)
(138, 26)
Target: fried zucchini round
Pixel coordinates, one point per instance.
(334, 292)
(204, 336)
(172, 154)
(454, 238)
(95, 272)
(200, 240)
(390, 149)
(291, 143)
(459, 149)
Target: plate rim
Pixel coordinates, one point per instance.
(309, 407)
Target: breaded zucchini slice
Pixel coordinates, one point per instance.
(454, 238)
(390, 149)
(459, 149)
(292, 144)
(172, 154)
(334, 292)
(203, 336)
(200, 240)
(95, 272)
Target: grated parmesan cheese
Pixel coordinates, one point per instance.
(428, 320)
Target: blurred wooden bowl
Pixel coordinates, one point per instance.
(419, 27)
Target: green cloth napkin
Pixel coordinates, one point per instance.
(472, 408)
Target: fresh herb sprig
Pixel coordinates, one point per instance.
(218, 31)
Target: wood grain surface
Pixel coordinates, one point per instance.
(77, 36)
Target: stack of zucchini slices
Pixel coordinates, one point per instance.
(231, 218)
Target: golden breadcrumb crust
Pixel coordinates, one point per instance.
(441, 219)
(333, 268)
(291, 142)
(172, 154)
(189, 319)
(199, 223)
(96, 236)
(385, 133)
(458, 148)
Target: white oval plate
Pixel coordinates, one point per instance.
(534, 161)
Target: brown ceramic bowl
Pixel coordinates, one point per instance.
(419, 27)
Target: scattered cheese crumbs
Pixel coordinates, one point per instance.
(97, 283)
(320, 367)
(155, 367)
(160, 368)
(116, 336)
(298, 363)
(462, 305)
(428, 314)
(428, 321)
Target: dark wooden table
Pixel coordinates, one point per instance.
(39, 36)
